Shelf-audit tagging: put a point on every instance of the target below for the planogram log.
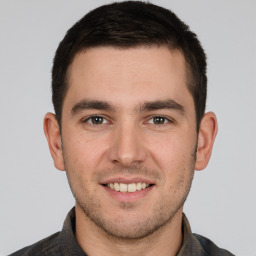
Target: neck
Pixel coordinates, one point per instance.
(94, 241)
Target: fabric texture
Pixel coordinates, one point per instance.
(64, 243)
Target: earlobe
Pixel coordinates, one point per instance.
(53, 136)
(207, 133)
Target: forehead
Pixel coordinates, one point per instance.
(134, 74)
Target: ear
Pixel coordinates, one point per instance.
(207, 133)
(53, 136)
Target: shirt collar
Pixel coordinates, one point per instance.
(69, 245)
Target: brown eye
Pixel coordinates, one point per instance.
(159, 120)
(96, 120)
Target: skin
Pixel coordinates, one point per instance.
(129, 117)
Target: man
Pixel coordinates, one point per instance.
(129, 91)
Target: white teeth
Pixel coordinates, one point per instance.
(123, 187)
(132, 187)
(138, 186)
(116, 186)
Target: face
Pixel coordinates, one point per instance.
(129, 137)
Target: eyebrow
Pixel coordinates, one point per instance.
(162, 104)
(91, 104)
(147, 106)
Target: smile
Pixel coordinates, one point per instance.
(132, 187)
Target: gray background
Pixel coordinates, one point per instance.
(34, 197)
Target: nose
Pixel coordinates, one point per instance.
(127, 146)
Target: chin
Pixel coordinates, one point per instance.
(130, 224)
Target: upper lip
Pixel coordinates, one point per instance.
(127, 180)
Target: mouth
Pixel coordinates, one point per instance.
(127, 188)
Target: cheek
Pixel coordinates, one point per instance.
(172, 152)
(83, 151)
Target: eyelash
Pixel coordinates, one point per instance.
(162, 118)
(91, 118)
(104, 120)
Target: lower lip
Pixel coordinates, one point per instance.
(128, 196)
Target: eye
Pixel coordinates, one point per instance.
(158, 120)
(95, 120)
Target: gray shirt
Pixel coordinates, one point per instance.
(64, 243)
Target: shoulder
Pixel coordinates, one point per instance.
(209, 248)
(196, 245)
(46, 246)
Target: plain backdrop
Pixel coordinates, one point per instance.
(35, 197)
